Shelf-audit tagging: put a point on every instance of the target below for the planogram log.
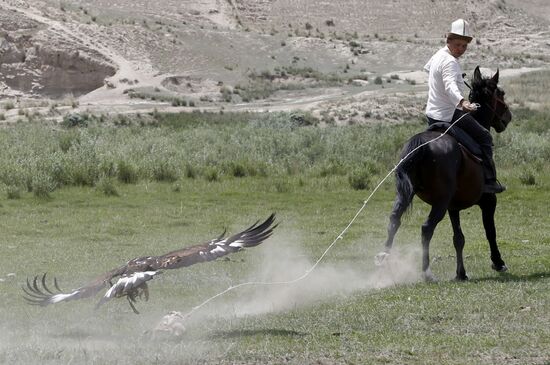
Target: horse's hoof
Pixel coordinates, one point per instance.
(502, 268)
(462, 278)
(380, 258)
(429, 277)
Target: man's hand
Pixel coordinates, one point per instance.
(469, 107)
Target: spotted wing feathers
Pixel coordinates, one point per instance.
(133, 276)
(221, 246)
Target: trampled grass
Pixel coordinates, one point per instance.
(346, 311)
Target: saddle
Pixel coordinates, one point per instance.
(464, 140)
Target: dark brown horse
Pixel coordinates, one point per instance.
(443, 174)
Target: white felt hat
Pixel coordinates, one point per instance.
(461, 28)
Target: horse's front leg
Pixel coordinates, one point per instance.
(458, 241)
(436, 215)
(488, 204)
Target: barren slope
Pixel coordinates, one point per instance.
(251, 54)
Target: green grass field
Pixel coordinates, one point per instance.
(77, 202)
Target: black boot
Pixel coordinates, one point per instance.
(492, 185)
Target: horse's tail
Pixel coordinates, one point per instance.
(405, 190)
(403, 172)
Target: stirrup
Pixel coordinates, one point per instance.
(493, 187)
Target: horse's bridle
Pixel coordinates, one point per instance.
(493, 108)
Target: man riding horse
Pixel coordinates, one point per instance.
(446, 103)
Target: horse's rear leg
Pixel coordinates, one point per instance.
(436, 215)
(488, 204)
(400, 205)
(458, 241)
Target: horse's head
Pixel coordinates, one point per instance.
(494, 112)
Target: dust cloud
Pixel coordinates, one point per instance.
(284, 261)
(274, 286)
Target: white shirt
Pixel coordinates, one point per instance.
(445, 85)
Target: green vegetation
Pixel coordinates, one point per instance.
(156, 95)
(530, 87)
(8, 105)
(172, 145)
(265, 83)
(179, 179)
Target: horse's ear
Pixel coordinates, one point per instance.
(495, 77)
(477, 75)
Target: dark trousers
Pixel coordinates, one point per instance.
(481, 135)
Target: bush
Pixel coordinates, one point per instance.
(13, 192)
(127, 173)
(67, 140)
(42, 185)
(303, 119)
(282, 186)
(165, 171)
(107, 186)
(9, 105)
(359, 179)
(527, 177)
(190, 171)
(176, 188)
(211, 174)
(75, 120)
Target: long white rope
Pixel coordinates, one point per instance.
(340, 236)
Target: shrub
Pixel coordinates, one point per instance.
(67, 140)
(176, 188)
(237, 169)
(226, 94)
(165, 171)
(527, 177)
(359, 179)
(75, 120)
(107, 186)
(127, 173)
(13, 192)
(332, 169)
(303, 119)
(378, 80)
(190, 171)
(282, 186)
(211, 174)
(42, 185)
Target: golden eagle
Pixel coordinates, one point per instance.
(133, 276)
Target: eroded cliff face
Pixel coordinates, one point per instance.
(53, 68)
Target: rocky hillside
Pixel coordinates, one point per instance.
(249, 52)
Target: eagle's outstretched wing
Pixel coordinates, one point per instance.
(38, 293)
(133, 276)
(221, 246)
